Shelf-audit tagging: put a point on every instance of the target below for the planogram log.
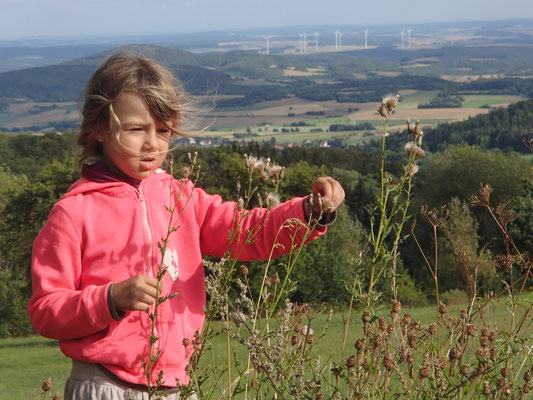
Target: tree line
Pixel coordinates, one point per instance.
(37, 170)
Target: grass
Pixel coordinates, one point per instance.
(27, 362)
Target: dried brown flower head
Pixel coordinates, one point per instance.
(486, 389)
(244, 270)
(454, 353)
(382, 324)
(350, 362)
(432, 329)
(442, 308)
(471, 330)
(366, 316)
(359, 344)
(465, 369)
(396, 306)
(47, 385)
(388, 362)
(424, 372)
(413, 151)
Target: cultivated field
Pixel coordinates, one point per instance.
(302, 118)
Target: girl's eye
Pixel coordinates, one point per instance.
(135, 129)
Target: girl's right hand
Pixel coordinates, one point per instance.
(136, 293)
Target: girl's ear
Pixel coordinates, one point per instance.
(99, 137)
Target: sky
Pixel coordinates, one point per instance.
(45, 18)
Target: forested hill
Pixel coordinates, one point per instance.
(502, 128)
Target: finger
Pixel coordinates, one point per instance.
(150, 280)
(150, 291)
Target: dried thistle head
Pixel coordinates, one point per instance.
(277, 172)
(413, 169)
(396, 306)
(471, 330)
(272, 200)
(366, 316)
(465, 369)
(434, 217)
(47, 385)
(413, 151)
(482, 199)
(391, 102)
(388, 362)
(244, 270)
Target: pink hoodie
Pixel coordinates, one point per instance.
(106, 230)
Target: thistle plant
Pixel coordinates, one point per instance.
(389, 214)
(46, 391)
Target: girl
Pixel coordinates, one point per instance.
(95, 260)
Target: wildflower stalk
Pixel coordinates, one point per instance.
(153, 384)
(391, 209)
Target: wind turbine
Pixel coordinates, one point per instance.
(337, 38)
(316, 34)
(409, 38)
(305, 42)
(366, 38)
(301, 42)
(267, 38)
(403, 36)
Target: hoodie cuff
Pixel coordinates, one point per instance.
(116, 314)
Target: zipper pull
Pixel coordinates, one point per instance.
(141, 195)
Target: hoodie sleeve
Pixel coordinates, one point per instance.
(58, 309)
(255, 234)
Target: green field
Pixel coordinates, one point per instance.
(27, 362)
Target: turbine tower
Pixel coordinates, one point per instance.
(305, 42)
(316, 34)
(338, 44)
(301, 42)
(409, 38)
(403, 37)
(267, 38)
(366, 38)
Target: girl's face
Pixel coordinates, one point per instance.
(142, 143)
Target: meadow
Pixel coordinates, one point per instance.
(27, 362)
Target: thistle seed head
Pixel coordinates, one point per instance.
(47, 385)
(413, 151)
(366, 316)
(471, 330)
(486, 389)
(396, 306)
(272, 200)
(424, 372)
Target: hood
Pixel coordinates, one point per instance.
(96, 177)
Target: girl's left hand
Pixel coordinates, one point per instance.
(331, 192)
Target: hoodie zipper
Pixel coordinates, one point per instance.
(147, 228)
(149, 234)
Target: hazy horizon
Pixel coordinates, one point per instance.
(60, 18)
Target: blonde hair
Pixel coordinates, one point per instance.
(127, 72)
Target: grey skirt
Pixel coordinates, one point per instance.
(89, 381)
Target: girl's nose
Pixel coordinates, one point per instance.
(150, 139)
